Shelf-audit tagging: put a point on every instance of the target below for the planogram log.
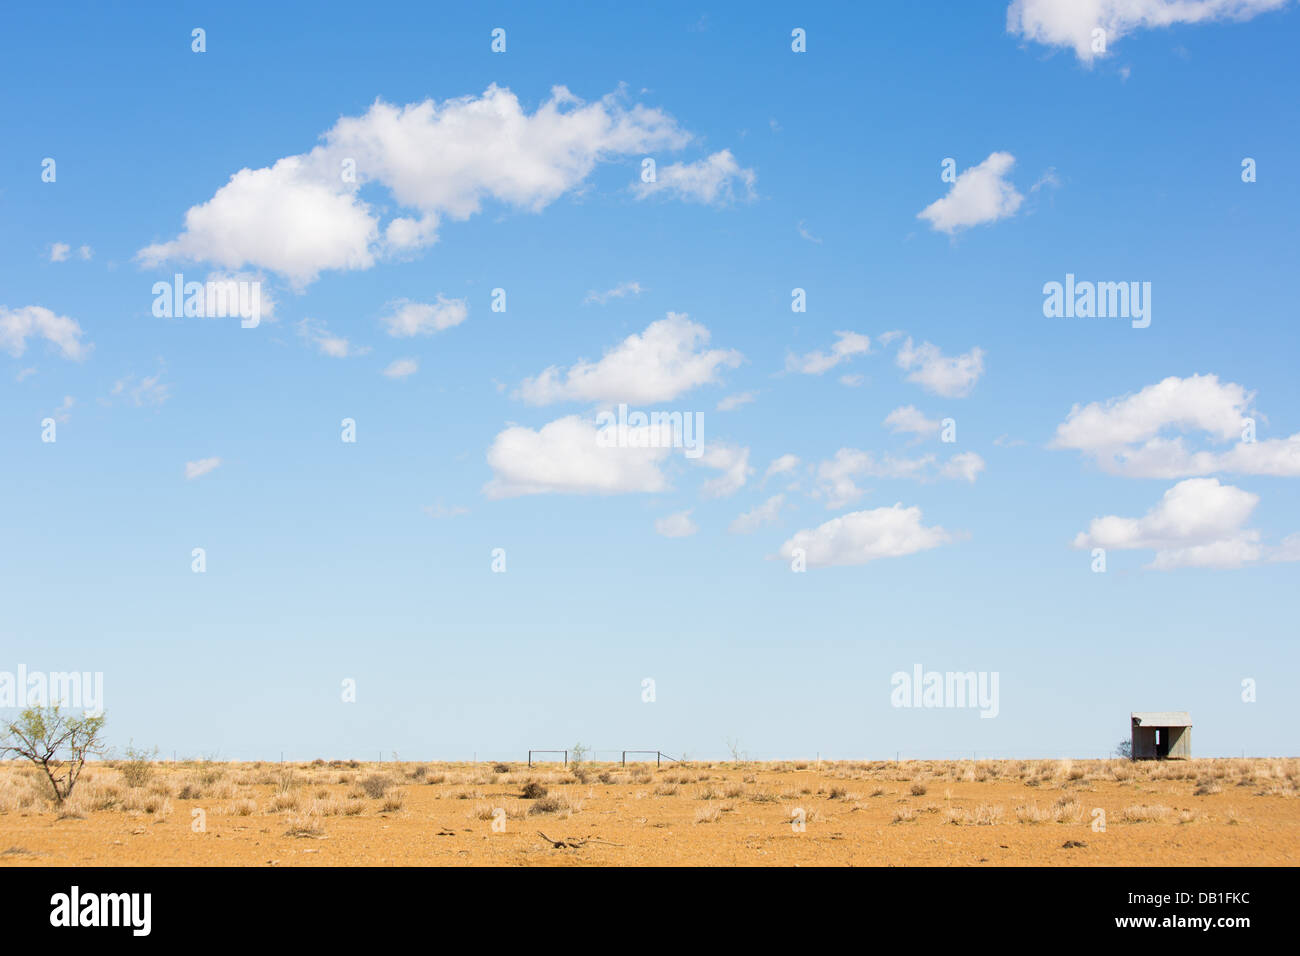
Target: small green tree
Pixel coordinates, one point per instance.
(57, 743)
(137, 765)
(1124, 749)
(578, 753)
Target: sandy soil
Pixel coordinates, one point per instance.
(990, 813)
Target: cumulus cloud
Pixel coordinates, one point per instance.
(34, 321)
(197, 469)
(733, 462)
(763, 514)
(59, 252)
(712, 180)
(1070, 23)
(303, 214)
(1130, 435)
(566, 457)
(400, 368)
(907, 419)
(781, 465)
(407, 318)
(287, 218)
(1197, 523)
(964, 466)
(863, 536)
(949, 376)
(659, 364)
(981, 194)
(677, 525)
(847, 345)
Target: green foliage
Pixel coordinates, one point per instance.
(137, 766)
(57, 743)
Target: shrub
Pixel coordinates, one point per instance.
(376, 785)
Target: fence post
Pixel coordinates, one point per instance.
(566, 758)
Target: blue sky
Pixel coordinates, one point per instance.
(776, 170)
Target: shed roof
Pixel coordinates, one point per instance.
(1162, 718)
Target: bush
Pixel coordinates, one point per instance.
(137, 767)
(376, 785)
(533, 790)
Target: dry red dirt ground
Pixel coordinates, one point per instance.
(914, 813)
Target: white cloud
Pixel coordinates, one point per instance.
(17, 325)
(981, 194)
(142, 392)
(677, 525)
(1198, 523)
(964, 466)
(862, 536)
(711, 180)
(335, 346)
(197, 469)
(847, 345)
(618, 292)
(733, 462)
(765, 513)
(1128, 435)
(85, 252)
(439, 161)
(909, 419)
(782, 465)
(400, 368)
(805, 234)
(949, 376)
(59, 252)
(564, 457)
(732, 402)
(1069, 23)
(658, 364)
(851, 381)
(288, 218)
(63, 413)
(1288, 550)
(24, 373)
(408, 318)
(837, 477)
